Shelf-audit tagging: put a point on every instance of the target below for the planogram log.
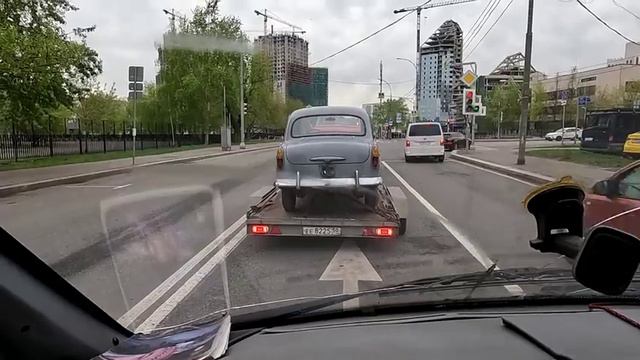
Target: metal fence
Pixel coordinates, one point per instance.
(15, 147)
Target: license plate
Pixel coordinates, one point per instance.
(321, 231)
(588, 139)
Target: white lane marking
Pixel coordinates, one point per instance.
(177, 297)
(151, 298)
(530, 173)
(350, 265)
(475, 251)
(261, 192)
(492, 172)
(113, 187)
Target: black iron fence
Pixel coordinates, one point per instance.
(15, 147)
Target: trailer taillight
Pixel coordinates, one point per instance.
(383, 231)
(375, 155)
(280, 157)
(259, 229)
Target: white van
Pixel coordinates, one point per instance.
(424, 139)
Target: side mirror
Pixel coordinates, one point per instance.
(608, 261)
(606, 188)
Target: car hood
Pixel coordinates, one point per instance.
(345, 149)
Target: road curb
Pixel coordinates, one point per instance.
(73, 179)
(532, 177)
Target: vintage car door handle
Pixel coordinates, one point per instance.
(327, 159)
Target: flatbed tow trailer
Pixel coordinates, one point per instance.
(330, 215)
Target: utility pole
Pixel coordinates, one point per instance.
(242, 144)
(555, 102)
(526, 91)
(380, 98)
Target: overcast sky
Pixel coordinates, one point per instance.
(564, 35)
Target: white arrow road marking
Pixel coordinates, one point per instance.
(474, 250)
(350, 265)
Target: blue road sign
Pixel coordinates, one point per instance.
(584, 100)
(564, 95)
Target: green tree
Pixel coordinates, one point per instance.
(538, 102)
(389, 110)
(100, 105)
(503, 101)
(41, 66)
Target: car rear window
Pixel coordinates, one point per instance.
(424, 130)
(323, 125)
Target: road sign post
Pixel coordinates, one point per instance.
(136, 77)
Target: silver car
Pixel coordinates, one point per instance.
(330, 148)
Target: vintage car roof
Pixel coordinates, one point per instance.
(329, 110)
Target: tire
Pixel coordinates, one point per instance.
(403, 226)
(288, 199)
(441, 158)
(371, 200)
(558, 138)
(407, 159)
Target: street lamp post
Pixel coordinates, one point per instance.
(390, 90)
(415, 104)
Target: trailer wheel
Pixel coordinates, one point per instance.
(403, 226)
(288, 199)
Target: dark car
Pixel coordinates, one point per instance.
(607, 130)
(454, 140)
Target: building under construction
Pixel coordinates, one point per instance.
(440, 87)
(288, 53)
(510, 70)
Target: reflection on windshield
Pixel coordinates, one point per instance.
(139, 161)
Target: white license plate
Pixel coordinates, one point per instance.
(588, 139)
(321, 231)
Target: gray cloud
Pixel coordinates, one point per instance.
(564, 35)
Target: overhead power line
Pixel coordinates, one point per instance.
(625, 9)
(471, 29)
(481, 24)
(370, 83)
(605, 23)
(368, 37)
(490, 28)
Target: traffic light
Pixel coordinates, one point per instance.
(470, 105)
(245, 108)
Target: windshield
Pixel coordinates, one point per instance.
(149, 155)
(328, 125)
(424, 130)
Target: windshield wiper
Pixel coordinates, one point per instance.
(489, 277)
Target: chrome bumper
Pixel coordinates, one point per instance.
(330, 183)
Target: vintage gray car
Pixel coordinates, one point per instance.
(328, 148)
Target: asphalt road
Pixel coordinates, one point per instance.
(145, 246)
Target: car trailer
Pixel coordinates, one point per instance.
(327, 214)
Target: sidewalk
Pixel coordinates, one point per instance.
(586, 175)
(26, 176)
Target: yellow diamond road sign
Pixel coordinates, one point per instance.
(469, 78)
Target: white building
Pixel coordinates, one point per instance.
(440, 96)
(370, 109)
(284, 50)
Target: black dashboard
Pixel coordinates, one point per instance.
(567, 332)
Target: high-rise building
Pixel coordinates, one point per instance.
(440, 71)
(288, 53)
(309, 85)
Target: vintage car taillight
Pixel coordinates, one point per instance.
(375, 155)
(280, 157)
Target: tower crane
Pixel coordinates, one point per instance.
(265, 15)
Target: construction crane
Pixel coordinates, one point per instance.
(294, 28)
(418, 9)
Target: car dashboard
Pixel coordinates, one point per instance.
(566, 332)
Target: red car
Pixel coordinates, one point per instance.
(454, 140)
(615, 202)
